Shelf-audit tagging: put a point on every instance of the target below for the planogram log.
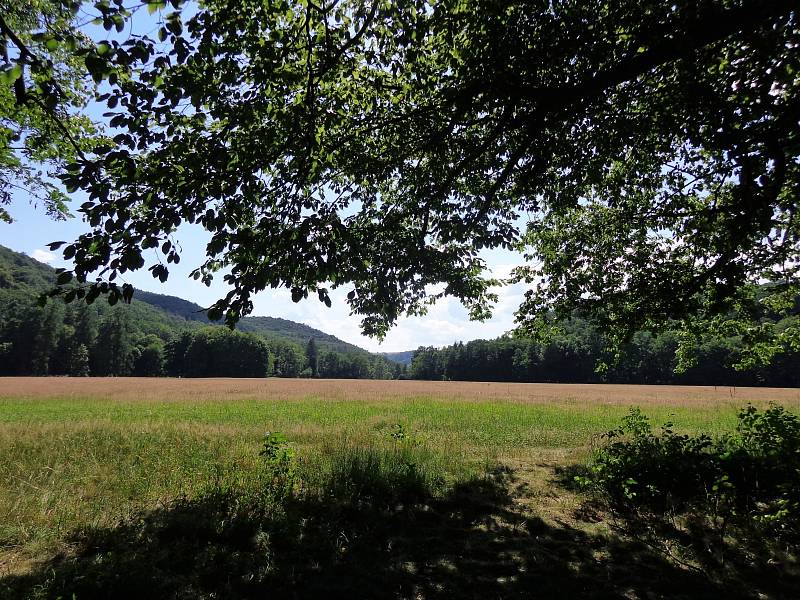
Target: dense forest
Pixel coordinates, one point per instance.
(572, 356)
(157, 335)
(162, 335)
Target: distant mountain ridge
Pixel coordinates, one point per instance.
(18, 270)
(404, 358)
(267, 326)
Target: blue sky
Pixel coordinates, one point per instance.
(446, 322)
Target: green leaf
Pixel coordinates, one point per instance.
(10, 75)
(155, 6)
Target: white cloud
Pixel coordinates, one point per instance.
(446, 322)
(503, 271)
(43, 256)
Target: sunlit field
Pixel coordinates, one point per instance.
(78, 454)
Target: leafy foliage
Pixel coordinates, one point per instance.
(280, 465)
(749, 479)
(653, 147)
(43, 93)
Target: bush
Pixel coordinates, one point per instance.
(762, 465)
(395, 472)
(749, 479)
(378, 476)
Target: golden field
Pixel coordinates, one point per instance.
(167, 390)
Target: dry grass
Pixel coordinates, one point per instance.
(213, 390)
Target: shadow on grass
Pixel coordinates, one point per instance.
(472, 543)
(744, 559)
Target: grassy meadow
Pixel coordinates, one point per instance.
(89, 459)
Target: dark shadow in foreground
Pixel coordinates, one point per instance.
(474, 543)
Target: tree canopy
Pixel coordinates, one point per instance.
(44, 89)
(644, 155)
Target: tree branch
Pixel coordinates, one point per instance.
(712, 27)
(24, 97)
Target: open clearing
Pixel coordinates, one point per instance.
(165, 390)
(84, 455)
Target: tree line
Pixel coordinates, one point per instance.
(134, 340)
(154, 337)
(145, 339)
(573, 356)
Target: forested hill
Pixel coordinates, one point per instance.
(404, 358)
(157, 335)
(19, 269)
(272, 327)
(23, 278)
(298, 332)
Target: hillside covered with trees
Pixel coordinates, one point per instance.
(269, 327)
(157, 335)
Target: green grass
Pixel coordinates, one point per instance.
(171, 498)
(504, 425)
(67, 463)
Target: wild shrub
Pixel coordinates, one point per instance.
(377, 476)
(762, 465)
(748, 479)
(279, 465)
